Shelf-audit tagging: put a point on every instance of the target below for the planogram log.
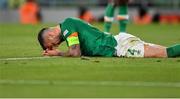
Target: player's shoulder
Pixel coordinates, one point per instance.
(71, 19)
(68, 21)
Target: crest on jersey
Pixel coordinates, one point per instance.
(65, 32)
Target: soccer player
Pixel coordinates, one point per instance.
(30, 12)
(122, 17)
(85, 40)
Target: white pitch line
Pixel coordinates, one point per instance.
(24, 58)
(38, 58)
(92, 83)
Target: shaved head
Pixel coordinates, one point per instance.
(49, 38)
(41, 37)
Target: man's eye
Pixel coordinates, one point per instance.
(53, 44)
(50, 48)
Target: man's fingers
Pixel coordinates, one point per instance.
(45, 53)
(49, 52)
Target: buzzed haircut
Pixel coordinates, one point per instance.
(41, 39)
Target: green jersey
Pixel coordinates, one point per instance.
(92, 41)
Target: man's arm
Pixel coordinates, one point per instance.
(73, 51)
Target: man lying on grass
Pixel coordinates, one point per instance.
(85, 40)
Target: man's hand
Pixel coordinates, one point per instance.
(73, 51)
(54, 52)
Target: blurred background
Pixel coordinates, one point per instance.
(54, 11)
(94, 76)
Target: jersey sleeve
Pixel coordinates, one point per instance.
(70, 33)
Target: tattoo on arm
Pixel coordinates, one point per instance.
(75, 50)
(73, 46)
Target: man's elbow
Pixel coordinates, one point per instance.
(76, 54)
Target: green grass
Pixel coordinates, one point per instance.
(86, 77)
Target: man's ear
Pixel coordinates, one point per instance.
(50, 33)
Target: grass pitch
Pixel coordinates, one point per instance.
(29, 76)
